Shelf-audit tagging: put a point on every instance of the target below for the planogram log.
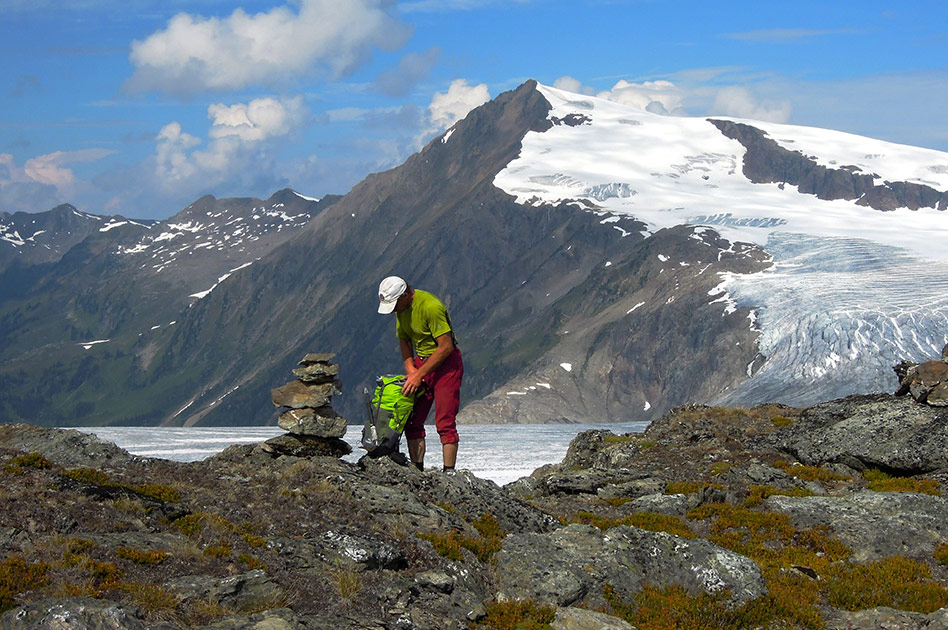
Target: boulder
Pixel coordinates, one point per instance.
(581, 619)
(320, 422)
(576, 562)
(927, 382)
(76, 613)
(875, 525)
(306, 446)
(892, 433)
(298, 394)
(886, 619)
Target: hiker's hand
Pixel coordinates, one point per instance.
(412, 383)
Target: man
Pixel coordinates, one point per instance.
(431, 356)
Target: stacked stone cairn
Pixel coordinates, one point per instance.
(314, 428)
(927, 382)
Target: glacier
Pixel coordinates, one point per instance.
(851, 290)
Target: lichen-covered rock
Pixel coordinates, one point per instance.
(75, 613)
(572, 618)
(869, 431)
(306, 446)
(298, 394)
(875, 525)
(67, 447)
(321, 422)
(574, 564)
(315, 368)
(883, 618)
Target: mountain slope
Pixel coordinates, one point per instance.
(117, 290)
(599, 262)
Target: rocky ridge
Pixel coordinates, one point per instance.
(825, 517)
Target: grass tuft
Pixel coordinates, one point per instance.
(883, 482)
(18, 576)
(517, 615)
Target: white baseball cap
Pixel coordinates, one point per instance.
(390, 290)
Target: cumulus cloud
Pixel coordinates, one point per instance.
(50, 169)
(43, 180)
(741, 103)
(688, 97)
(412, 68)
(240, 139)
(449, 107)
(196, 54)
(570, 84)
(660, 97)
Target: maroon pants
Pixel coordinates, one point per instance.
(444, 390)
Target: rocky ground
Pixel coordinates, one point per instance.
(771, 517)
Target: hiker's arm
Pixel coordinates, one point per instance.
(408, 356)
(444, 349)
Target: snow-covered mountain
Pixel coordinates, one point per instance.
(600, 263)
(851, 289)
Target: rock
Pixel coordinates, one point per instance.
(240, 592)
(315, 358)
(883, 431)
(881, 618)
(67, 447)
(367, 553)
(306, 446)
(581, 619)
(875, 525)
(298, 394)
(591, 480)
(321, 422)
(435, 580)
(574, 564)
(75, 613)
(316, 372)
(671, 504)
(275, 619)
(927, 382)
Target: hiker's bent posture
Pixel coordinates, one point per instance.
(431, 356)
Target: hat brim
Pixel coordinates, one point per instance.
(387, 307)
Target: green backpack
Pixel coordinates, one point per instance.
(388, 413)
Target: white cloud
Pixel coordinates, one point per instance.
(44, 180)
(195, 54)
(258, 120)
(239, 142)
(570, 84)
(691, 96)
(50, 169)
(660, 97)
(739, 102)
(449, 107)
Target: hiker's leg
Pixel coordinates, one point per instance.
(447, 401)
(416, 452)
(415, 429)
(450, 454)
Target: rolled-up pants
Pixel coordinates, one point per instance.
(444, 391)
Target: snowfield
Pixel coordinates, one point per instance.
(852, 290)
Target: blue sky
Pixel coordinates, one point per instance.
(138, 107)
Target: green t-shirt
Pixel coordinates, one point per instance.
(423, 322)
